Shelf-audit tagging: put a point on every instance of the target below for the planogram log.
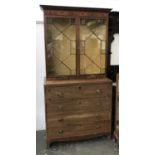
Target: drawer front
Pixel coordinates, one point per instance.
(78, 91)
(70, 126)
(82, 118)
(78, 105)
(64, 133)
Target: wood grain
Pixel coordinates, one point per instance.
(78, 107)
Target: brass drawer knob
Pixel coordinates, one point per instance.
(60, 107)
(97, 115)
(98, 91)
(61, 120)
(80, 102)
(48, 90)
(49, 99)
(80, 125)
(59, 94)
(98, 103)
(97, 126)
(60, 131)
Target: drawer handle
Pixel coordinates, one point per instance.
(99, 104)
(80, 125)
(97, 126)
(60, 94)
(60, 107)
(61, 120)
(49, 99)
(98, 91)
(48, 90)
(60, 131)
(80, 102)
(79, 87)
(97, 115)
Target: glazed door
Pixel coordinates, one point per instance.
(92, 46)
(60, 46)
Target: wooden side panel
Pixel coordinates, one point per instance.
(116, 132)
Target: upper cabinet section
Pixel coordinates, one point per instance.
(75, 41)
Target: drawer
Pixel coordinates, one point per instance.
(78, 118)
(50, 115)
(79, 105)
(78, 91)
(63, 133)
(79, 131)
(76, 126)
(79, 101)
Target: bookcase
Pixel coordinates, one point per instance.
(78, 94)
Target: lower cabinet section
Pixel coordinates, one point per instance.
(77, 109)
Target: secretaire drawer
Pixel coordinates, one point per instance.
(78, 91)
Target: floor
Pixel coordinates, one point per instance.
(97, 146)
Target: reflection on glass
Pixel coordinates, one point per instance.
(61, 49)
(92, 46)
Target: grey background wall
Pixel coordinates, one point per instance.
(40, 51)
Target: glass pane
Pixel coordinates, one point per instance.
(60, 43)
(92, 46)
